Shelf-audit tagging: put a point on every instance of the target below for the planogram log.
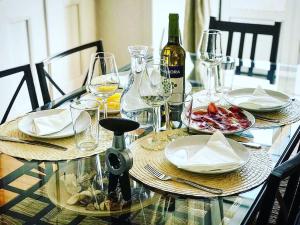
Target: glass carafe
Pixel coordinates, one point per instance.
(132, 106)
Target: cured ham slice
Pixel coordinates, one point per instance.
(216, 117)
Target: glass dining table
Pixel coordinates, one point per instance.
(31, 192)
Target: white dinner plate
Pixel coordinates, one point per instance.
(196, 142)
(211, 130)
(25, 125)
(238, 96)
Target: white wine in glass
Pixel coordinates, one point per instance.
(103, 78)
(155, 89)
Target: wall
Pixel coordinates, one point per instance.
(32, 30)
(22, 41)
(266, 12)
(160, 12)
(70, 23)
(121, 23)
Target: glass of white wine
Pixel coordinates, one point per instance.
(155, 89)
(103, 78)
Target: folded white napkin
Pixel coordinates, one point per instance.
(216, 154)
(51, 124)
(261, 99)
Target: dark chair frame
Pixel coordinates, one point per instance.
(255, 29)
(260, 199)
(43, 75)
(27, 77)
(289, 203)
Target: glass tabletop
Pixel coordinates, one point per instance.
(43, 192)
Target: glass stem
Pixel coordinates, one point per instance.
(209, 80)
(156, 124)
(168, 122)
(105, 108)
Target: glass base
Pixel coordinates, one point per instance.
(105, 134)
(87, 146)
(173, 137)
(154, 144)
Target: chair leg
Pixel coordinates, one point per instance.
(271, 77)
(268, 200)
(294, 214)
(271, 74)
(238, 70)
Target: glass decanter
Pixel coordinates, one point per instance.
(132, 106)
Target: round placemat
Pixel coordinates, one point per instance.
(285, 116)
(252, 174)
(32, 152)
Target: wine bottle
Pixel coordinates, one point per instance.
(174, 55)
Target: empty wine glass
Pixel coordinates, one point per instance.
(103, 77)
(155, 89)
(211, 56)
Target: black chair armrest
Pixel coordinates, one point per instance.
(56, 103)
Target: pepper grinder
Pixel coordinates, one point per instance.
(118, 158)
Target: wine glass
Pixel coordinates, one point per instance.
(155, 88)
(103, 78)
(211, 56)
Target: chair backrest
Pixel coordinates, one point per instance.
(43, 75)
(289, 200)
(245, 28)
(26, 74)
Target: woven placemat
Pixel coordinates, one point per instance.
(288, 115)
(252, 174)
(31, 152)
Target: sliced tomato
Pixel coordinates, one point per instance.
(212, 108)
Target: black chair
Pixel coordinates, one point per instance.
(288, 199)
(43, 75)
(255, 29)
(297, 220)
(26, 74)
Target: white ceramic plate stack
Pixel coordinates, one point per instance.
(239, 96)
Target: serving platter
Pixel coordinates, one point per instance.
(194, 124)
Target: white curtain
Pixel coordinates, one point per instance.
(195, 21)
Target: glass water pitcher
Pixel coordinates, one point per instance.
(132, 106)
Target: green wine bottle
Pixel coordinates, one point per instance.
(174, 55)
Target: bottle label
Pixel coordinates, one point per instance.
(177, 80)
(176, 71)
